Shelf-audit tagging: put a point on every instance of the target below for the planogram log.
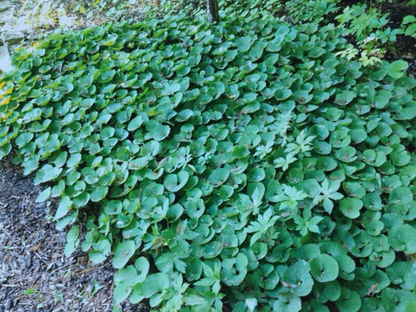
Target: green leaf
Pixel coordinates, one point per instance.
(165, 262)
(87, 103)
(256, 50)
(170, 88)
(108, 75)
(403, 238)
(124, 251)
(23, 139)
(324, 268)
(345, 97)
(402, 273)
(113, 207)
(48, 173)
(297, 279)
(100, 251)
(109, 88)
(43, 100)
(240, 151)
(358, 135)
(86, 81)
(175, 182)
(329, 291)
(142, 266)
(218, 176)
(349, 301)
(29, 292)
(72, 240)
(354, 189)
(400, 158)
(397, 69)
(63, 208)
(74, 160)
(44, 195)
(99, 193)
(293, 303)
(152, 285)
(139, 163)
(157, 131)
(109, 40)
(251, 303)
(135, 123)
(351, 207)
(400, 195)
(124, 280)
(234, 270)
(5, 150)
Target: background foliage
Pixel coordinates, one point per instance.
(240, 165)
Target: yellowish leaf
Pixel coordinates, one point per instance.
(2, 84)
(9, 90)
(5, 101)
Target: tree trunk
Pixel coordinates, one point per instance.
(212, 10)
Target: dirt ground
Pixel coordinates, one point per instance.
(34, 273)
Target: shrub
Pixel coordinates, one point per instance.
(241, 163)
(369, 29)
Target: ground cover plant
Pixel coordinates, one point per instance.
(239, 165)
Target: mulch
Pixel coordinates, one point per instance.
(31, 256)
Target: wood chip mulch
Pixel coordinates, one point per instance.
(32, 259)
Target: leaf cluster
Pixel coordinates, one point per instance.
(238, 164)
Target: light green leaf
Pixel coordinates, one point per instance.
(125, 250)
(44, 195)
(63, 208)
(99, 193)
(72, 239)
(175, 182)
(397, 69)
(157, 131)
